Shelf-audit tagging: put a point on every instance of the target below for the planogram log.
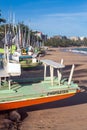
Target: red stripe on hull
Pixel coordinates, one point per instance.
(30, 102)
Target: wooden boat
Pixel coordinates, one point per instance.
(26, 92)
(26, 60)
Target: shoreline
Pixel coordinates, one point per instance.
(76, 50)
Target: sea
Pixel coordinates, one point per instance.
(82, 51)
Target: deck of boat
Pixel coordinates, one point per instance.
(35, 90)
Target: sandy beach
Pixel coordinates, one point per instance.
(65, 114)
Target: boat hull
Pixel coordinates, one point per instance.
(29, 102)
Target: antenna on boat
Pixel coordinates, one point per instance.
(6, 53)
(28, 38)
(13, 23)
(71, 73)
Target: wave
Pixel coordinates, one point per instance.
(79, 50)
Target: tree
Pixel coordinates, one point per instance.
(64, 42)
(2, 20)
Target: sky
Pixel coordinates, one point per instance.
(51, 17)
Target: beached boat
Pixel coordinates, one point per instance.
(27, 60)
(25, 53)
(17, 93)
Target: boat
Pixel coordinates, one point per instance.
(26, 61)
(26, 57)
(17, 93)
(25, 53)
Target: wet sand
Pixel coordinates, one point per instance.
(70, 113)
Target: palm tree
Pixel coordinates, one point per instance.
(2, 20)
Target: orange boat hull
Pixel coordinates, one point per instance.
(30, 102)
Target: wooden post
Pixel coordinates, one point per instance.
(45, 71)
(61, 62)
(9, 83)
(59, 76)
(61, 71)
(71, 73)
(51, 74)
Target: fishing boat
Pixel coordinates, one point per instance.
(26, 57)
(27, 52)
(18, 93)
(26, 61)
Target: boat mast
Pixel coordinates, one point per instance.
(6, 52)
(28, 38)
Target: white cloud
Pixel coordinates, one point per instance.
(67, 14)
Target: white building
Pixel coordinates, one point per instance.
(74, 38)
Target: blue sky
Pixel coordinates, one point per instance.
(52, 17)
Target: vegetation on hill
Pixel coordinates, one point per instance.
(65, 42)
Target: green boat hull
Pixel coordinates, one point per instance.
(34, 91)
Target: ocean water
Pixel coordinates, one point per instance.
(79, 50)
